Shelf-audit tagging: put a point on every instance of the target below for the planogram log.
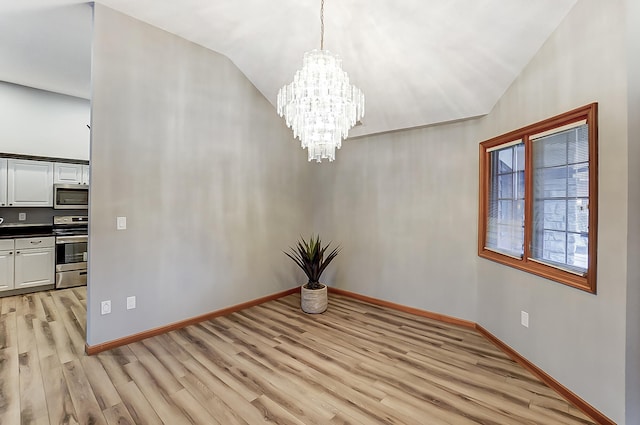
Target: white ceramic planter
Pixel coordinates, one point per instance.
(313, 301)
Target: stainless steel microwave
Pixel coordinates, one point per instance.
(70, 196)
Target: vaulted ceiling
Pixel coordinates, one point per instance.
(419, 62)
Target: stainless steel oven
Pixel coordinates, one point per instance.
(71, 250)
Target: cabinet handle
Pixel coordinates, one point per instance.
(10, 252)
(36, 242)
(17, 252)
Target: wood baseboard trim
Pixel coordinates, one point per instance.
(570, 396)
(109, 345)
(574, 399)
(423, 313)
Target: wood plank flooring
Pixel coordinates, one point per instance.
(355, 364)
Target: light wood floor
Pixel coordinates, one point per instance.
(355, 364)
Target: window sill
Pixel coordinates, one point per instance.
(584, 283)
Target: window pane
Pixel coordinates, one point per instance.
(550, 215)
(552, 151)
(510, 239)
(550, 245)
(577, 251)
(505, 161)
(578, 215)
(550, 182)
(560, 205)
(579, 145)
(519, 157)
(578, 183)
(505, 186)
(505, 224)
(519, 185)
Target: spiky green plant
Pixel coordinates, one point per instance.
(309, 256)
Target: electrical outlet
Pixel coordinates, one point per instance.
(105, 307)
(524, 319)
(121, 223)
(22, 216)
(131, 303)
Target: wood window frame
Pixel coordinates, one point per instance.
(585, 282)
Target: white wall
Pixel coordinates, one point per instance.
(207, 174)
(42, 123)
(576, 337)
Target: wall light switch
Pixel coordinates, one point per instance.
(22, 216)
(121, 223)
(131, 302)
(524, 319)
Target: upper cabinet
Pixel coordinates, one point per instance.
(29, 183)
(3, 182)
(70, 173)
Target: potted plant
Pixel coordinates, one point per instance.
(310, 257)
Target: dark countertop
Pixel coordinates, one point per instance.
(23, 230)
(26, 235)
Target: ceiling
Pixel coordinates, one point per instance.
(418, 62)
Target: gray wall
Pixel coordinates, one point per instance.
(404, 206)
(633, 265)
(214, 186)
(42, 123)
(576, 337)
(207, 174)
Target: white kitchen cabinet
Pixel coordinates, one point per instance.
(68, 173)
(85, 174)
(3, 182)
(6, 264)
(29, 183)
(34, 262)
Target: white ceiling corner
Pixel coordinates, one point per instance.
(418, 62)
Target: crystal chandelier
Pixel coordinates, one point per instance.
(320, 105)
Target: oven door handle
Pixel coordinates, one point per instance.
(71, 239)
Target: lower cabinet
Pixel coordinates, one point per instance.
(6, 266)
(27, 262)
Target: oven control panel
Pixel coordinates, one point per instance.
(62, 220)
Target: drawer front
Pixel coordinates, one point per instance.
(27, 243)
(6, 244)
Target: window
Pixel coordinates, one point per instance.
(538, 193)
(505, 224)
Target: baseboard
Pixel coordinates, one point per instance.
(423, 313)
(109, 345)
(27, 290)
(574, 399)
(565, 392)
(571, 397)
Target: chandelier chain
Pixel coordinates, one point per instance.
(322, 25)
